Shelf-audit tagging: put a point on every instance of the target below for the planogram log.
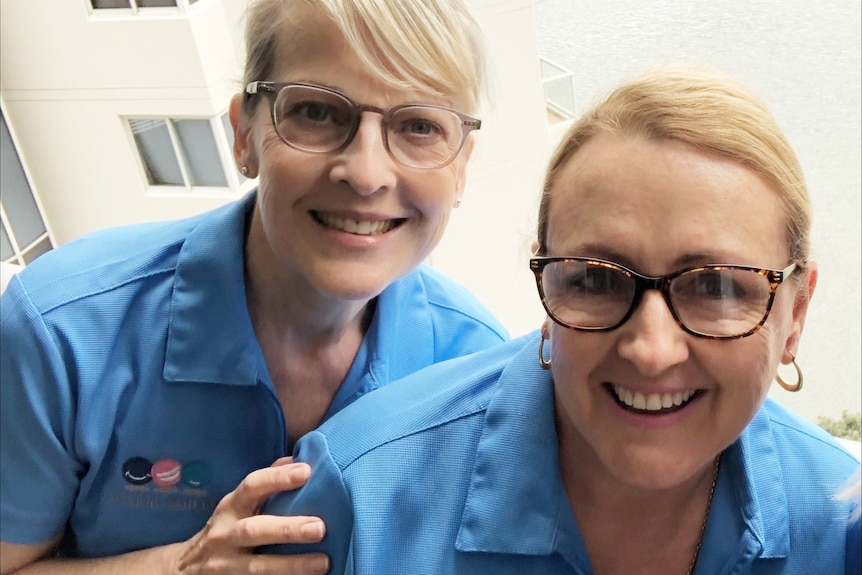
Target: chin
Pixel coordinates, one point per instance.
(354, 289)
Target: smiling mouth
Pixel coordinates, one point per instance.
(652, 403)
(358, 227)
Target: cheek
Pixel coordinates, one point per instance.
(286, 174)
(432, 195)
(744, 373)
(573, 358)
(432, 192)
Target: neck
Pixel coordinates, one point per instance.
(629, 527)
(283, 299)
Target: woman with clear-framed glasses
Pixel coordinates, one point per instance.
(631, 434)
(155, 378)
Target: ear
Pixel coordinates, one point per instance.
(534, 247)
(800, 311)
(546, 328)
(244, 151)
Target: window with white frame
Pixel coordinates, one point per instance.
(23, 234)
(135, 5)
(190, 153)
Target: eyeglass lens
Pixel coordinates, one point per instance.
(720, 301)
(318, 120)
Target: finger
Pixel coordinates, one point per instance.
(306, 564)
(271, 530)
(250, 494)
(282, 461)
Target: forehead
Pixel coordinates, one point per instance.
(309, 47)
(306, 34)
(663, 203)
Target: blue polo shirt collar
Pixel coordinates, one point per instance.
(399, 339)
(210, 337)
(517, 504)
(755, 491)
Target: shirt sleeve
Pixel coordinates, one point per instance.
(324, 495)
(38, 470)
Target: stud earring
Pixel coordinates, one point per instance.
(457, 202)
(244, 171)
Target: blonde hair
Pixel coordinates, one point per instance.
(705, 109)
(433, 46)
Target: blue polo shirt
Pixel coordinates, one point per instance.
(133, 391)
(455, 470)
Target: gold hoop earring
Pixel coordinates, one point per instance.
(244, 171)
(545, 363)
(787, 386)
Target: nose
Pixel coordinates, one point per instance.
(365, 163)
(651, 339)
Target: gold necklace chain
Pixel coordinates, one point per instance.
(705, 516)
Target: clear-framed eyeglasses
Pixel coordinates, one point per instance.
(317, 119)
(712, 301)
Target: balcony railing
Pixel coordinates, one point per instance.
(558, 85)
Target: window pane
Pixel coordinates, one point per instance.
(15, 193)
(202, 159)
(34, 252)
(6, 250)
(157, 152)
(156, 3)
(108, 4)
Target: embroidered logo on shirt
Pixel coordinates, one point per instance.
(165, 484)
(167, 472)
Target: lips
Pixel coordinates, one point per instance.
(652, 403)
(358, 227)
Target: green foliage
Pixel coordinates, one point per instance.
(849, 426)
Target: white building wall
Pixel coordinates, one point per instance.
(70, 79)
(488, 240)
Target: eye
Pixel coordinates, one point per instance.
(595, 280)
(717, 285)
(421, 126)
(418, 128)
(315, 112)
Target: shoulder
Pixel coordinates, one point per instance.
(451, 305)
(423, 402)
(801, 441)
(790, 456)
(100, 262)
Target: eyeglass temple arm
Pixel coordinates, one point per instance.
(781, 275)
(257, 87)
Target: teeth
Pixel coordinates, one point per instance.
(652, 401)
(362, 228)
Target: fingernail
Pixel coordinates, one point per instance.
(318, 564)
(312, 529)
